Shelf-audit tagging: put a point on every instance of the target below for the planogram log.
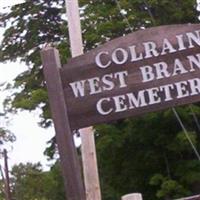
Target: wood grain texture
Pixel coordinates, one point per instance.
(82, 111)
(68, 156)
(90, 169)
(74, 27)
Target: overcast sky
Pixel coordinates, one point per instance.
(5, 3)
(31, 139)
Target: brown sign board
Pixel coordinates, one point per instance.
(145, 71)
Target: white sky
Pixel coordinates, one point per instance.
(4, 3)
(31, 139)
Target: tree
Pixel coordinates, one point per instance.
(149, 154)
(34, 24)
(29, 182)
(2, 194)
(6, 136)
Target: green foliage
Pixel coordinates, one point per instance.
(2, 194)
(168, 188)
(6, 136)
(150, 154)
(29, 182)
(34, 24)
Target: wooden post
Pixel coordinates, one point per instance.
(7, 178)
(134, 196)
(3, 189)
(90, 169)
(74, 26)
(64, 137)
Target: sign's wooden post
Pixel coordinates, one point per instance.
(89, 159)
(134, 196)
(88, 150)
(68, 155)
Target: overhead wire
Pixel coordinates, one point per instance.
(124, 16)
(195, 117)
(186, 133)
(173, 109)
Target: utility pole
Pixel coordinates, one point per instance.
(7, 179)
(3, 190)
(88, 150)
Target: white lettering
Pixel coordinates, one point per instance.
(192, 38)
(167, 90)
(178, 68)
(147, 73)
(150, 49)
(161, 70)
(121, 76)
(181, 89)
(135, 102)
(99, 62)
(120, 103)
(194, 62)
(195, 86)
(124, 55)
(167, 47)
(100, 109)
(180, 42)
(109, 85)
(78, 88)
(94, 85)
(134, 56)
(153, 95)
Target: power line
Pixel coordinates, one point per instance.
(186, 133)
(195, 118)
(124, 16)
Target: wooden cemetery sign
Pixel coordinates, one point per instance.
(145, 71)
